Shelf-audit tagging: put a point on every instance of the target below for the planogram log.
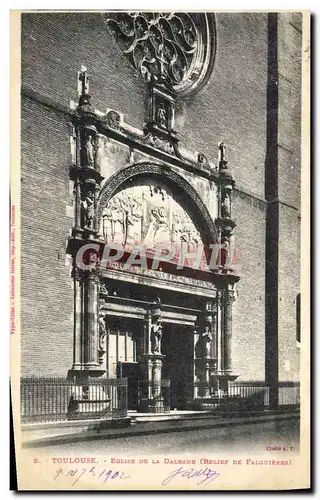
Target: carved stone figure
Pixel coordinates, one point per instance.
(88, 209)
(102, 338)
(162, 116)
(83, 81)
(106, 228)
(202, 159)
(118, 208)
(89, 151)
(113, 119)
(203, 345)
(158, 225)
(102, 332)
(225, 250)
(226, 205)
(222, 152)
(157, 142)
(133, 221)
(156, 336)
(162, 62)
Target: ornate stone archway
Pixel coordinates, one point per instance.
(99, 295)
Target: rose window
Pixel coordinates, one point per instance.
(178, 47)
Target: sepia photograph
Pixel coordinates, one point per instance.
(159, 304)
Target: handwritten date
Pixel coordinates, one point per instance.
(102, 475)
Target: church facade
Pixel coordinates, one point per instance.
(160, 202)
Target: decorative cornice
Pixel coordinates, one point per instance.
(133, 138)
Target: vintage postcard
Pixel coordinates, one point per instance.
(159, 291)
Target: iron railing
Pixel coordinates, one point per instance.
(58, 399)
(288, 391)
(148, 402)
(244, 396)
(239, 397)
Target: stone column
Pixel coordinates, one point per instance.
(228, 299)
(225, 375)
(91, 321)
(77, 319)
(152, 357)
(156, 378)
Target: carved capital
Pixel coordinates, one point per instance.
(228, 297)
(77, 274)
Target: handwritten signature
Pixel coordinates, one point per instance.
(207, 475)
(103, 475)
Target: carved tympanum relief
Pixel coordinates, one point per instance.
(147, 215)
(176, 46)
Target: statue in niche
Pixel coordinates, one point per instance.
(162, 116)
(89, 151)
(203, 345)
(88, 209)
(226, 205)
(156, 336)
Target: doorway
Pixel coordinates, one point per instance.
(178, 365)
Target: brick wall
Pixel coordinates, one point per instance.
(289, 287)
(55, 45)
(232, 106)
(248, 346)
(46, 287)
